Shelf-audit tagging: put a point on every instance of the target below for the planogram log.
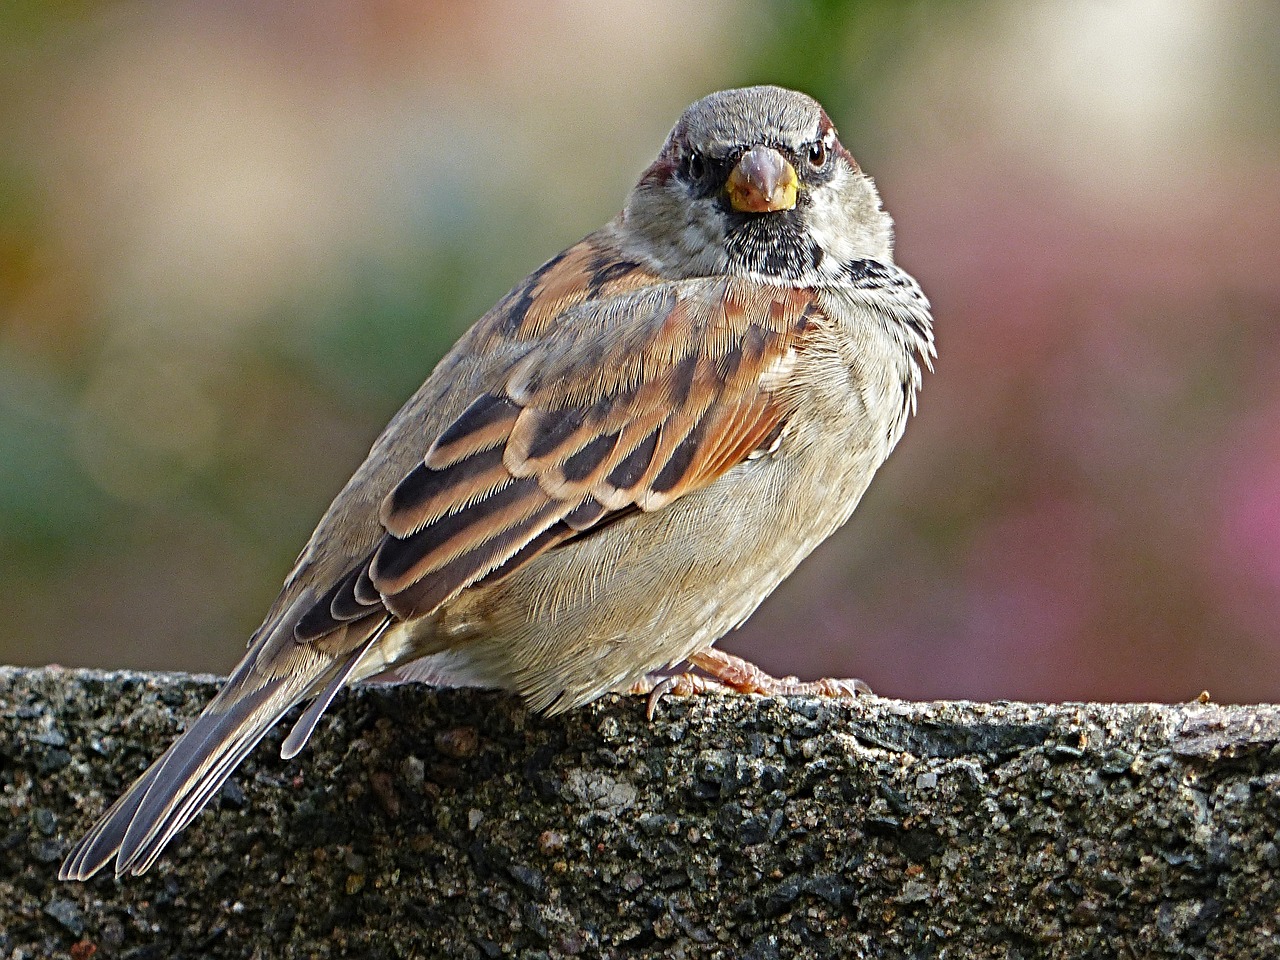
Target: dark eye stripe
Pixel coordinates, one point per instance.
(713, 173)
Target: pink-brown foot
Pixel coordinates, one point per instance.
(730, 673)
(745, 677)
(676, 685)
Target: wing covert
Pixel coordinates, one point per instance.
(629, 402)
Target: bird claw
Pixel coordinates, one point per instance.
(735, 675)
(676, 685)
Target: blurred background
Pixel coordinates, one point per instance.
(235, 237)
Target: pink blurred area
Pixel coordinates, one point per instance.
(233, 239)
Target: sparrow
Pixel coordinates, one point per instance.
(612, 468)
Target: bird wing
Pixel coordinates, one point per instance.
(628, 403)
(590, 391)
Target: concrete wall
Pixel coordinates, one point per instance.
(423, 823)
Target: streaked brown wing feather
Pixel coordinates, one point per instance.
(640, 394)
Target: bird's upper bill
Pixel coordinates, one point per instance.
(762, 181)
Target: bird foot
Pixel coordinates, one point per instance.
(733, 674)
(676, 685)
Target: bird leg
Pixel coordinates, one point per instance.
(730, 673)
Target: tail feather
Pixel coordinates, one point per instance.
(100, 844)
(277, 674)
(176, 786)
(306, 725)
(194, 769)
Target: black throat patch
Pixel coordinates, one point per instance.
(773, 244)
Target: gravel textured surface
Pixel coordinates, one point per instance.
(424, 823)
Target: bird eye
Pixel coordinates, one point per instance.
(696, 166)
(818, 154)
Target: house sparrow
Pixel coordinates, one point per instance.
(611, 469)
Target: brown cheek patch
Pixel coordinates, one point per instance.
(841, 151)
(662, 169)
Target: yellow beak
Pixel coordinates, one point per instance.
(762, 182)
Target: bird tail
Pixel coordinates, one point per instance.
(276, 674)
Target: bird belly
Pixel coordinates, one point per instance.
(652, 589)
